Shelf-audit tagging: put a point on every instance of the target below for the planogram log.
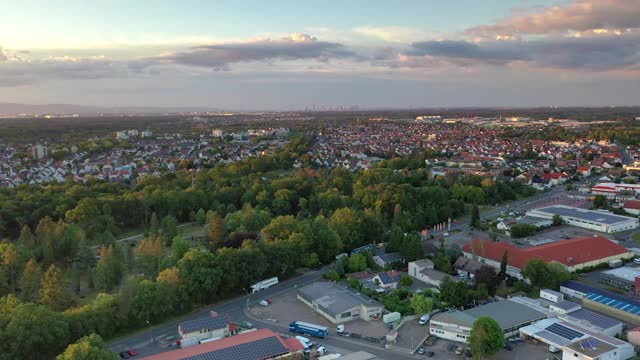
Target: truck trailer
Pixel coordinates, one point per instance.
(309, 329)
(261, 285)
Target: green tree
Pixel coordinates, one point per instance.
(88, 348)
(109, 270)
(522, 230)
(412, 248)
(557, 220)
(396, 237)
(347, 223)
(600, 202)
(169, 229)
(10, 261)
(421, 304)
(357, 262)
(30, 282)
(154, 227)
(537, 272)
(216, 232)
(405, 280)
(321, 239)
(148, 254)
(475, 216)
(201, 217)
(486, 337)
(53, 292)
(442, 262)
(504, 262)
(200, 275)
(27, 238)
(488, 277)
(454, 293)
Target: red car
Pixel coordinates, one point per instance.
(132, 352)
(269, 301)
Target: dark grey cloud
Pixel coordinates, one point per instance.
(296, 47)
(596, 53)
(20, 72)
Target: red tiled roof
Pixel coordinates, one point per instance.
(632, 204)
(225, 343)
(554, 176)
(568, 252)
(583, 168)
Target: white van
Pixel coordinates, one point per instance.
(424, 319)
(305, 342)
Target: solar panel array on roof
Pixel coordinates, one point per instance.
(588, 343)
(564, 331)
(213, 322)
(259, 349)
(596, 319)
(386, 279)
(615, 303)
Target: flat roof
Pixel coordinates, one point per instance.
(333, 298)
(625, 272)
(591, 347)
(591, 215)
(593, 319)
(507, 313)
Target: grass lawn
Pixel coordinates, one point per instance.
(636, 237)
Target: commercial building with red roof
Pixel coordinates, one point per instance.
(574, 254)
(632, 207)
(256, 345)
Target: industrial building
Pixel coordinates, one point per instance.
(256, 345)
(622, 277)
(339, 304)
(577, 342)
(456, 325)
(574, 254)
(214, 326)
(603, 301)
(601, 221)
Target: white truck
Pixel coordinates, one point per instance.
(261, 285)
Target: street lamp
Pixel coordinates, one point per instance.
(150, 328)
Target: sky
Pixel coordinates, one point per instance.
(282, 54)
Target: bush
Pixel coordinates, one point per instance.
(405, 280)
(332, 276)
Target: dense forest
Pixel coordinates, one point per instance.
(64, 276)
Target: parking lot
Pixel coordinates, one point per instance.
(286, 308)
(411, 334)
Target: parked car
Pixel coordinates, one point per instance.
(508, 346)
(124, 355)
(429, 353)
(132, 352)
(421, 351)
(636, 261)
(424, 319)
(263, 302)
(269, 301)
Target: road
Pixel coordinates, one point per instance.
(626, 159)
(135, 237)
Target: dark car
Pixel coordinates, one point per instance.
(124, 355)
(429, 353)
(508, 346)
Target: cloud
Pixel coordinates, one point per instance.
(389, 33)
(601, 53)
(293, 47)
(19, 71)
(3, 56)
(578, 15)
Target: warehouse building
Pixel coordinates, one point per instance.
(574, 254)
(577, 342)
(339, 304)
(214, 326)
(256, 345)
(622, 277)
(603, 301)
(602, 221)
(456, 325)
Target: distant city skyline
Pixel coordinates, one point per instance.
(256, 55)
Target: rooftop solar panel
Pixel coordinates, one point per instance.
(564, 331)
(255, 350)
(627, 306)
(596, 319)
(213, 322)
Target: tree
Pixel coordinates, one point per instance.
(475, 216)
(442, 262)
(109, 270)
(600, 202)
(216, 232)
(486, 337)
(154, 226)
(169, 229)
(405, 280)
(557, 220)
(503, 264)
(88, 348)
(27, 238)
(321, 239)
(421, 304)
(522, 230)
(201, 216)
(148, 254)
(200, 275)
(347, 223)
(53, 292)
(488, 277)
(412, 248)
(30, 282)
(357, 262)
(453, 292)
(10, 260)
(536, 271)
(395, 239)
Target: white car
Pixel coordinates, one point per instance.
(636, 261)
